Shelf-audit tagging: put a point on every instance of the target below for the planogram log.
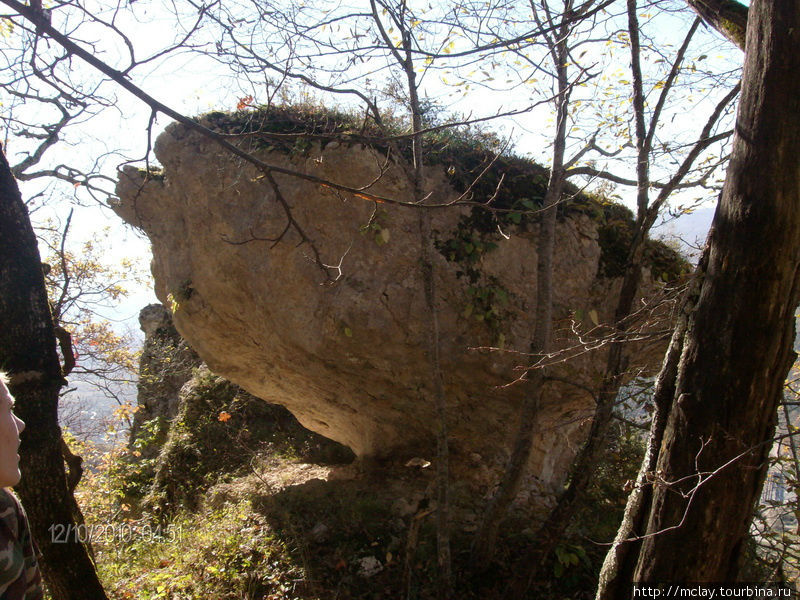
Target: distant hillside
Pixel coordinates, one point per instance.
(87, 412)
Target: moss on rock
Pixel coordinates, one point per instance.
(218, 430)
(511, 187)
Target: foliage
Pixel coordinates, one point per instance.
(376, 228)
(227, 554)
(217, 432)
(101, 491)
(615, 236)
(134, 470)
(254, 546)
(81, 284)
(473, 158)
(485, 296)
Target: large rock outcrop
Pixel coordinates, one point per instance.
(347, 357)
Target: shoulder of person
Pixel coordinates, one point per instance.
(11, 512)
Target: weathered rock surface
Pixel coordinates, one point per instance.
(347, 357)
(165, 365)
(191, 426)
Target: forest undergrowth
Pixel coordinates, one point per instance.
(286, 530)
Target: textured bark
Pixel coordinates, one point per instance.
(28, 353)
(726, 16)
(616, 568)
(737, 348)
(620, 562)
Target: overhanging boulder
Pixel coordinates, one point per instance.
(347, 356)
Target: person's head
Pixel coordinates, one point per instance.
(10, 428)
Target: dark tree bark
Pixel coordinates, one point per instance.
(737, 348)
(28, 353)
(729, 17)
(617, 571)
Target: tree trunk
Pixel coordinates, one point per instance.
(618, 567)
(729, 17)
(485, 542)
(28, 353)
(737, 348)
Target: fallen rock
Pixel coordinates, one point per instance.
(369, 566)
(320, 532)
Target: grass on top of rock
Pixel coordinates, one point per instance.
(472, 157)
(510, 188)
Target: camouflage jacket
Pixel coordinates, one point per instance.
(20, 578)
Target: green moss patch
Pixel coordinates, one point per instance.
(217, 432)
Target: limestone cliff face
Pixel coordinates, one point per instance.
(347, 357)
